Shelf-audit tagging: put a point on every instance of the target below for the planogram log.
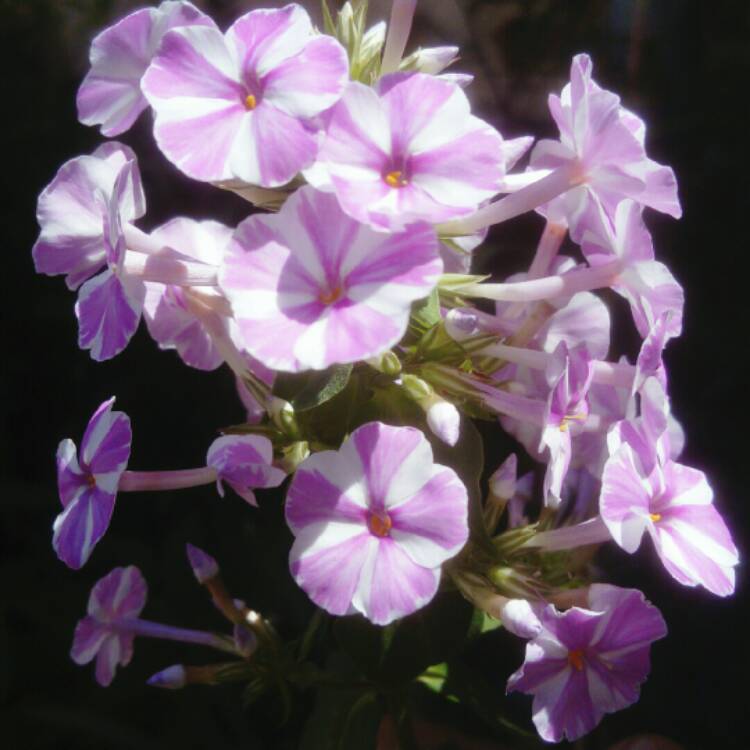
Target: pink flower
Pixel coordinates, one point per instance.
(605, 143)
(373, 522)
(567, 406)
(410, 151)
(110, 94)
(646, 284)
(204, 566)
(88, 486)
(169, 310)
(118, 597)
(238, 105)
(644, 490)
(584, 663)
(112, 622)
(81, 214)
(310, 287)
(73, 208)
(244, 462)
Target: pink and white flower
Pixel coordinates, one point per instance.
(73, 209)
(88, 485)
(110, 94)
(239, 105)
(311, 287)
(244, 462)
(109, 306)
(644, 490)
(646, 284)
(116, 598)
(567, 406)
(82, 214)
(584, 663)
(599, 160)
(410, 150)
(373, 522)
(605, 144)
(113, 621)
(170, 310)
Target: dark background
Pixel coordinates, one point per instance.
(684, 65)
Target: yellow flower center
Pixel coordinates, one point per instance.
(380, 525)
(250, 102)
(395, 179)
(568, 418)
(655, 517)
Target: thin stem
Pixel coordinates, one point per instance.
(139, 241)
(167, 269)
(149, 629)
(548, 247)
(145, 481)
(526, 199)
(593, 531)
(514, 182)
(548, 287)
(215, 324)
(619, 374)
(402, 15)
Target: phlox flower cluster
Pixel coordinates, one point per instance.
(345, 309)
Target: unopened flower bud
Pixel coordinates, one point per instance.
(503, 481)
(388, 363)
(462, 80)
(520, 618)
(512, 583)
(372, 43)
(293, 456)
(204, 566)
(282, 415)
(417, 388)
(245, 640)
(502, 485)
(431, 60)
(444, 420)
(462, 323)
(171, 678)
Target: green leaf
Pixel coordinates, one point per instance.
(339, 710)
(396, 655)
(434, 677)
(483, 623)
(362, 723)
(486, 699)
(332, 420)
(307, 390)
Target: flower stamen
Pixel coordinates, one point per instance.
(332, 295)
(396, 179)
(250, 102)
(380, 524)
(575, 659)
(568, 418)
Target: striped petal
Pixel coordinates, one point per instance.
(108, 311)
(110, 94)
(310, 287)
